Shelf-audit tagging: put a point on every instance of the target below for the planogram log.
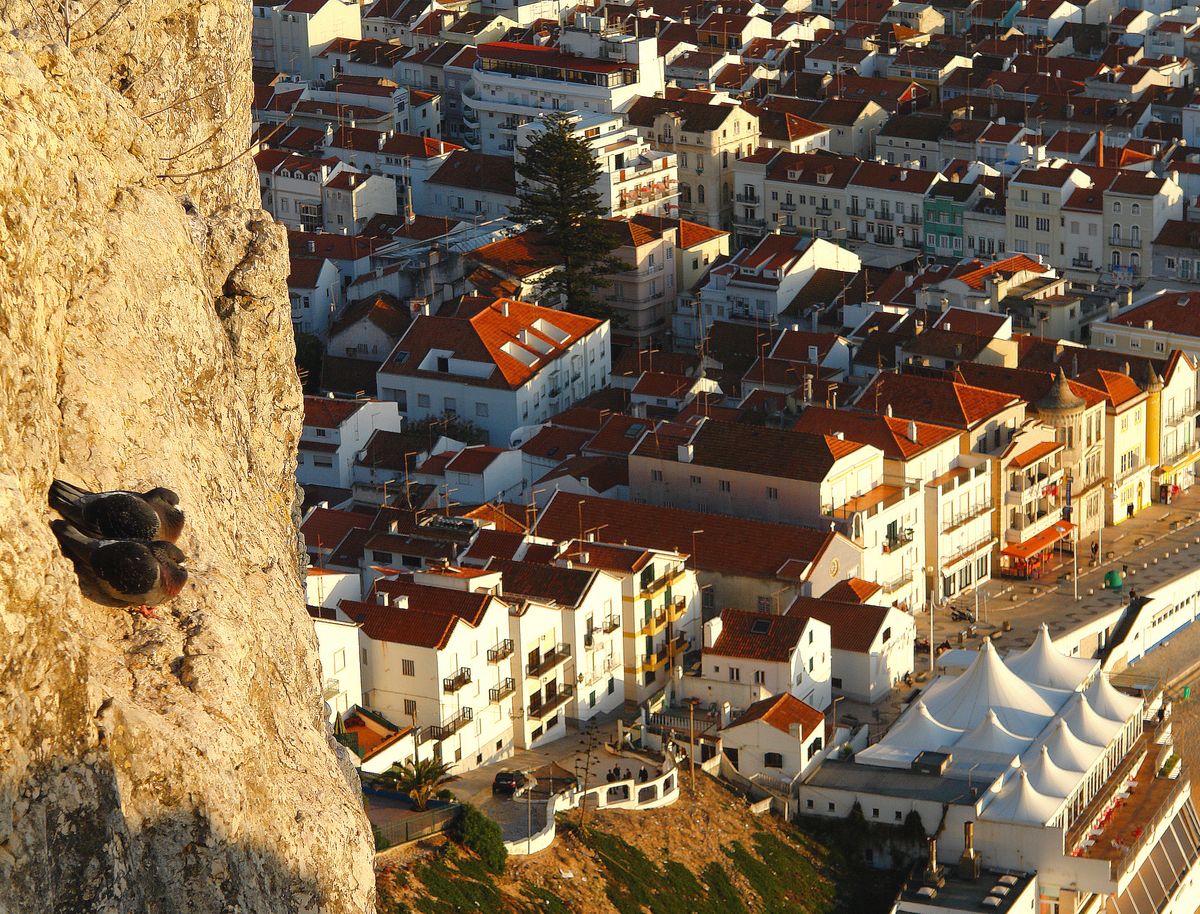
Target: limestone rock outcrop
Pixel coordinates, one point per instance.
(182, 765)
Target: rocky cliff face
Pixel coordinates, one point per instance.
(181, 765)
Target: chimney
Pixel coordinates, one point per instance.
(382, 140)
(504, 307)
(969, 864)
(888, 411)
(311, 245)
(912, 429)
(1100, 150)
(381, 598)
(712, 631)
(807, 388)
(685, 453)
(400, 601)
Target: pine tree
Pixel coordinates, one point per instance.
(559, 203)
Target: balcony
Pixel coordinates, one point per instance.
(958, 520)
(824, 211)
(898, 583)
(452, 726)
(744, 222)
(549, 705)
(452, 684)
(677, 646)
(894, 541)
(592, 676)
(610, 625)
(787, 207)
(1083, 263)
(549, 660)
(651, 662)
(676, 610)
(501, 651)
(655, 623)
(752, 199)
(855, 211)
(662, 581)
(967, 551)
(501, 692)
(1124, 241)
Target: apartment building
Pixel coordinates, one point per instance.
(289, 37)
(334, 432)
(634, 177)
(957, 489)
(594, 72)
(886, 205)
(788, 192)
(1153, 328)
(587, 600)
(659, 614)
(1036, 198)
(760, 283)
(706, 138)
(750, 656)
(1125, 439)
(426, 652)
(500, 364)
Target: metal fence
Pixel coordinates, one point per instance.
(420, 825)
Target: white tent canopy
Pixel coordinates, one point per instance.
(1043, 664)
(1089, 725)
(992, 736)
(988, 684)
(1048, 778)
(915, 732)
(1069, 751)
(1109, 702)
(1019, 801)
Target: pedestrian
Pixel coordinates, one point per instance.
(1095, 552)
(628, 776)
(643, 775)
(608, 776)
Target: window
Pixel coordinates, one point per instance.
(735, 674)
(481, 410)
(1043, 224)
(1116, 206)
(450, 405)
(410, 707)
(808, 804)
(423, 401)
(874, 812)
(1021, 222)
(695, 480)
(656, 475)
(772, 760)
(339, 661)
(772, 493)
(836, 682)
(899, 816)
(724, 484)
(764, 604)
(887, 635)
(384, 557)
(760, 677)
(408, 667)
(833, 807)
(1136, 209)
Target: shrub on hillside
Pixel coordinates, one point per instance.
(475, 831)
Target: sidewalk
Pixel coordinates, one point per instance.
(1025, 605)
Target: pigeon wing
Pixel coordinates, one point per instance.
(121, 515)
(128, 568)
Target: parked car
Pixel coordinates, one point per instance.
(510, 783)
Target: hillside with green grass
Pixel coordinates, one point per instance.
(706, 855)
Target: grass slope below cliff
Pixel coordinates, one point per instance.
(705, 855)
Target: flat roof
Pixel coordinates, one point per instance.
(904, 783)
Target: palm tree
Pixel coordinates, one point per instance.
(421, 779)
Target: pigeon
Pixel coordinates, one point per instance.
(119, 515)
(140, 574)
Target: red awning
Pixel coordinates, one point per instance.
(1036, 544)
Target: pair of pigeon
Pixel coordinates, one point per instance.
(125, 541)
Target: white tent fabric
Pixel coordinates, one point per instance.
(1069, 751)
(1048, 778)
(1019, 801)
(915, 732)
(993, 736)
(1109, 702)
(1043, 664)
(988, 684)
(1086, 723)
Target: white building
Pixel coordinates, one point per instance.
(634, 177)
(778, 738)
(334, 432)
(289, 37)
(589, 71)
(500, 364)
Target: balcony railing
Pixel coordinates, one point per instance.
(747, 198)
(550, 705)
(676, 610)
(788, 207)
(1083, 263)
(453, 683)
(749, 223)
(1120, 241)
(655, 623)
(549, 660)
(855, 211)
(897, 583)
(452, 726)
(894, 541)
(501, 651)
(981, 510)
(967, 550)
(591, 677)
(663, 580)
(610, 625)
(824, 211)
(506, 688)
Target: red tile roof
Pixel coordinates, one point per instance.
(927, 399)
(730, 545)
(1119, 388)
(887, 433)
(783, 712)
(852, 626)
(1171, 312)
(566, 587)
(851, 590)
(326, 412)
(325, 528)
(757, 636)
